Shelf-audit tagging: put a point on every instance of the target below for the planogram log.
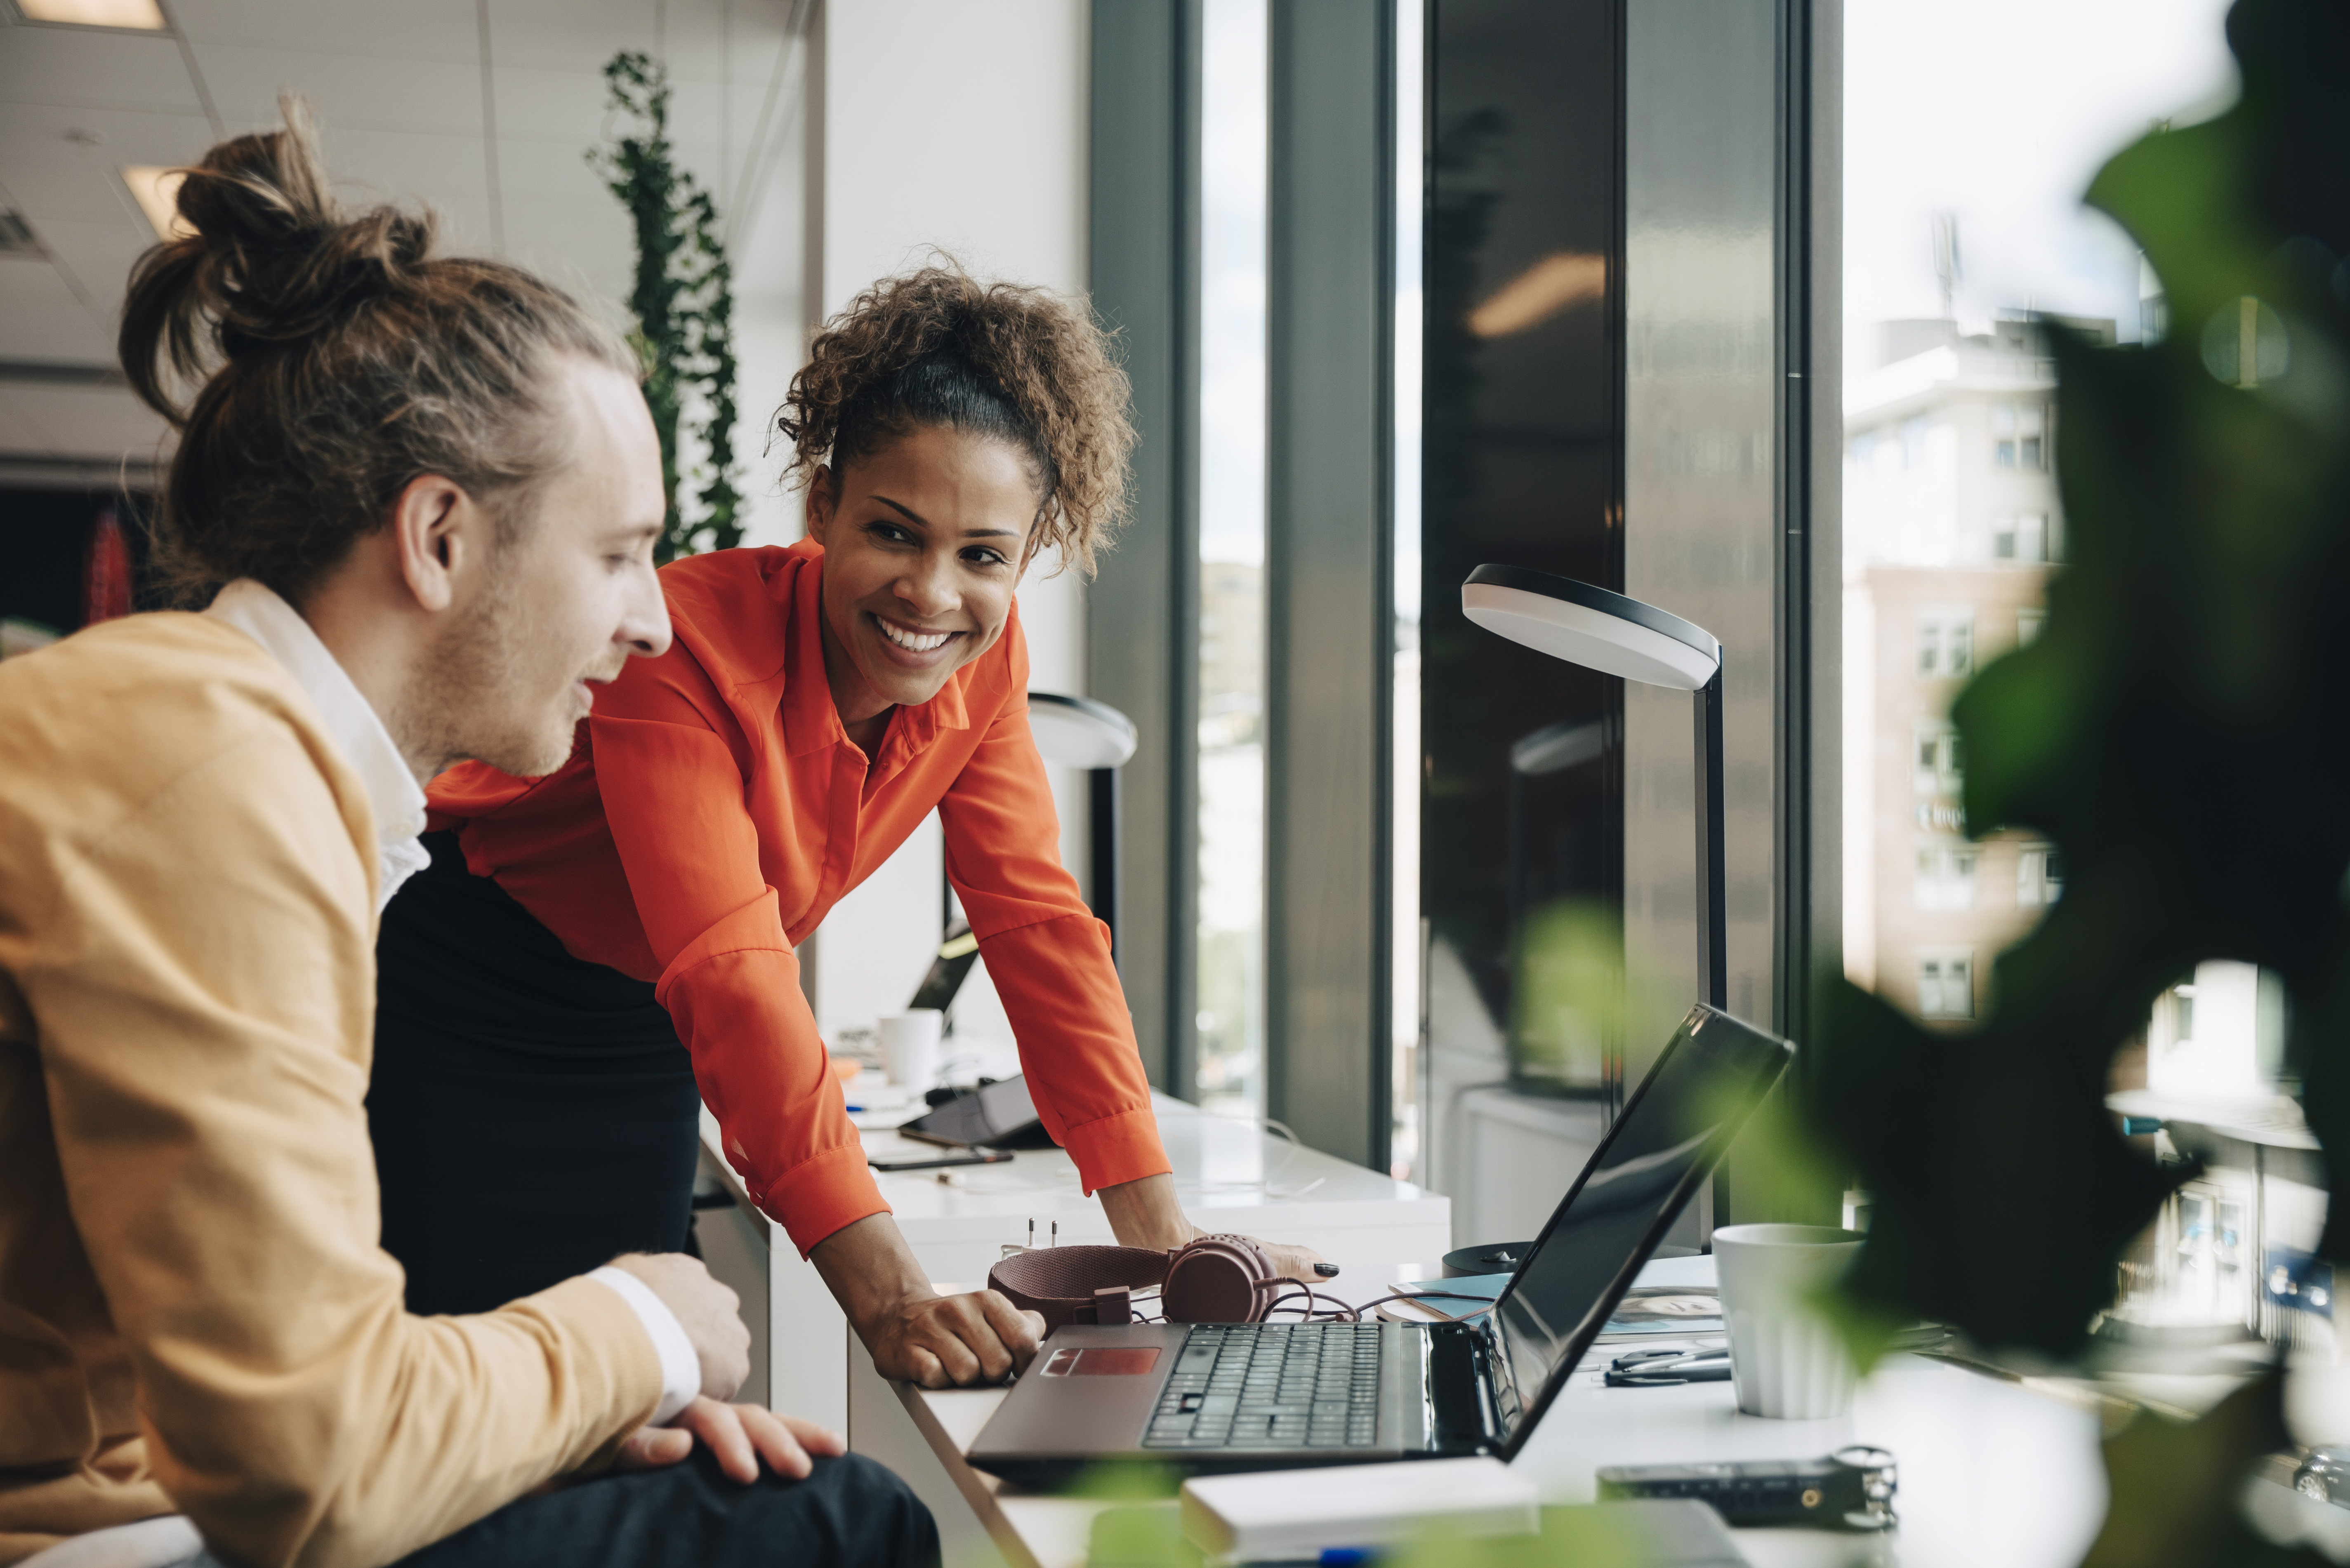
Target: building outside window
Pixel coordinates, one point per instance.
(1965, 246)
(2039, 876)
(1945, 875)
(1231, 995)
(1946, 643)
(1946, 984)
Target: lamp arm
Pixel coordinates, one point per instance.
(1712, 926)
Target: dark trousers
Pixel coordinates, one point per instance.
(532, 1114)
(850, 1514)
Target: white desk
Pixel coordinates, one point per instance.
(1990, 1473)
(1229, 1174)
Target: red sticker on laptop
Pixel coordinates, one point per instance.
(1101, 1361)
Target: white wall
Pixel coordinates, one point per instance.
(963, 126)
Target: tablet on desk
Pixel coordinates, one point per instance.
(994, 1115)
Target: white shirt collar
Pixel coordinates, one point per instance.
(254, 609)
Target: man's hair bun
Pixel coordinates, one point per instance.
(331, 358)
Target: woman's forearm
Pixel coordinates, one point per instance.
(1147, 1213)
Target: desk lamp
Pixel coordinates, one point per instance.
(1617, 636)
(1079, 732)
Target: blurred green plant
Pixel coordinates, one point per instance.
(2180, 729)
(1568, 1001)
(683, 300)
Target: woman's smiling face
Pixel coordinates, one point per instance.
(923, 544)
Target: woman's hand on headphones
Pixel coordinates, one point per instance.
(1294, 1262)
(1147, 1213)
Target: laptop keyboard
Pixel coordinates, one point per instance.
(1271, 1385)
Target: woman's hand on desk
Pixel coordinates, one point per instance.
(739, 1435)
(915, 1333)
(1147, 1213)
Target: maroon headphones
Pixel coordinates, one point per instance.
(1215, 1279)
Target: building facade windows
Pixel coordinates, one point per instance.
(2039, 876)
(1946, 643)
(2023, 537)
(1937, 768)
(1945, 875)
(2020, 436)
(1946, 982)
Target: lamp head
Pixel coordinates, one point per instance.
(1591, 627)
(1079, 732)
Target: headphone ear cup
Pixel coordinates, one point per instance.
(1217, 1279)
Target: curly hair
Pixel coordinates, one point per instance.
(1018, 365)
(334, 359)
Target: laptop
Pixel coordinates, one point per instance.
(1200, 1398)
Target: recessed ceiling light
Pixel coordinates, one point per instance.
(156, 191)
(146, 15)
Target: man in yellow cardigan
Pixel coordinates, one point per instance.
(432, 487)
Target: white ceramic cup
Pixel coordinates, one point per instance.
(909, 1046)
(1786, 1359)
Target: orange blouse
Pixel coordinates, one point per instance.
(714, 810)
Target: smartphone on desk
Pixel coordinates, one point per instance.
(926, 1161)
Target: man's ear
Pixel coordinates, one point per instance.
(823, 491)
(436, 531)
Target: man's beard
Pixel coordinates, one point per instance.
(473, 690)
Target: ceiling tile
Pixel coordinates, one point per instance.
(40, 318)
(73, 65)
(407, 30)
(347, 89)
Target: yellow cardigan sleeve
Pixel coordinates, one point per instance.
(204, 996)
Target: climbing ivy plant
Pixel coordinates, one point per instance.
(683, 300)
(2182, 729)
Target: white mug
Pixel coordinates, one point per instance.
(909, 1046)
(1786, 1359)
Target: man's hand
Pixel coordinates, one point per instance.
(739, 1435)
(1147, 1213)
(709, 1314)
(914, 1333)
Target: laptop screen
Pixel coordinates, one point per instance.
(1665, 1143)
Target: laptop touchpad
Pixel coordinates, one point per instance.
(1101, 1361)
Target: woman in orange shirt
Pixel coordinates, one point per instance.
(595, 954)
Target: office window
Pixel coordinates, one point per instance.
(2039, 876)
(1946, 644)
(1963, 235)
(1946, 984)
(1945, 875)
(1936, 769)
(1231, 997)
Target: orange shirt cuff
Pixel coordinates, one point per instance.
(821, 1195)
(1113, 1149)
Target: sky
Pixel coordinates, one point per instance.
(1999, 112)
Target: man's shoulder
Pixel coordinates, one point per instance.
(95, 727)
(156, 684)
